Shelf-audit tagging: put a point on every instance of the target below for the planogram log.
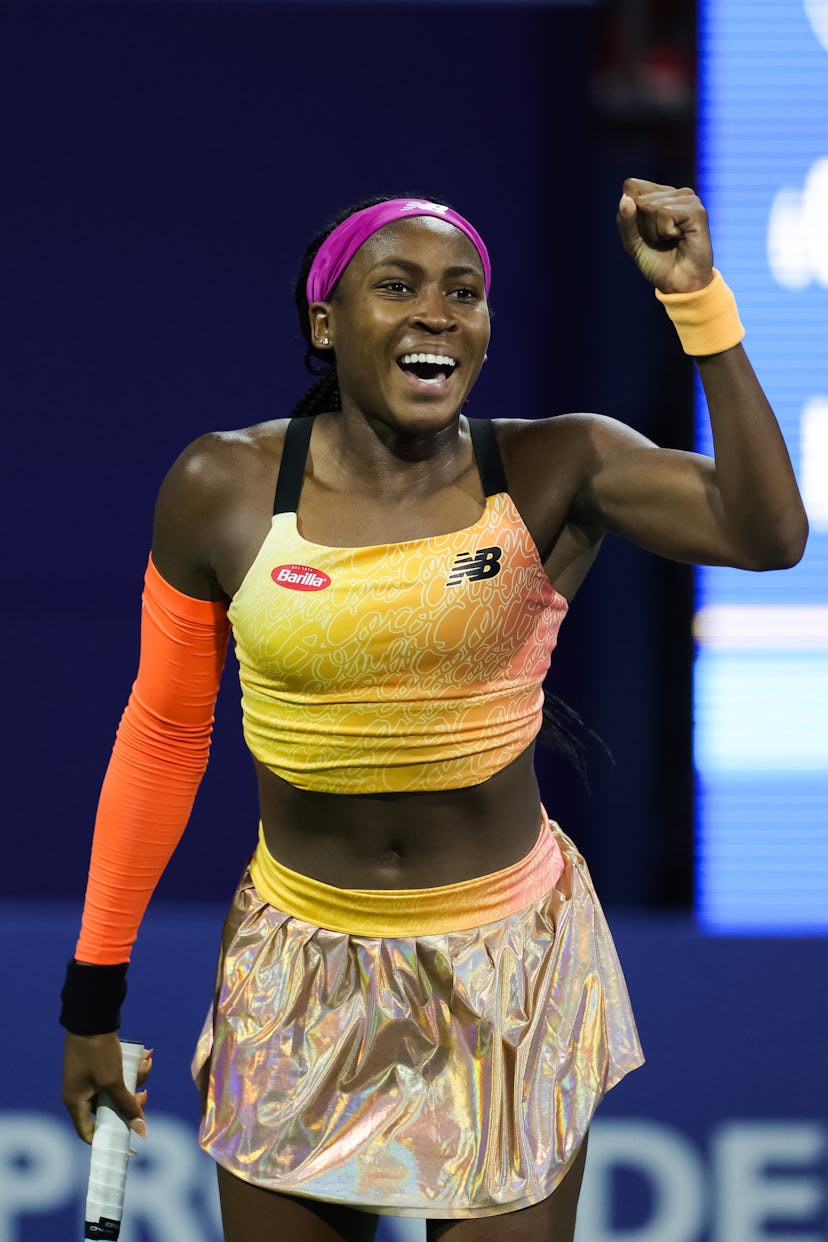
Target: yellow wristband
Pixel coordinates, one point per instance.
(707, 321)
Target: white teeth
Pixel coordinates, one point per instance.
(436, 359)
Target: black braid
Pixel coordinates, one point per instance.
(564, 730)
(324, 394)
(321, 396)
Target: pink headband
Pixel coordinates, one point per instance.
(340, 246)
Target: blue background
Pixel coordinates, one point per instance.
(165, 165)
(722, 1136)
(761, 715)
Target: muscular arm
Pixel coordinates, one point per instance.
(742, 507)
(163, 739)
(214, 510)
(156, 766)
(188, 517)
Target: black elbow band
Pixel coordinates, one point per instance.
(92, 997)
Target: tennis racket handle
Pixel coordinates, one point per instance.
(108, 1162)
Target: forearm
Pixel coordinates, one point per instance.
(145, 803)
(756, 489)
(158, 760)
(744, 508)
(753, 492)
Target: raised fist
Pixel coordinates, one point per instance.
(665, 231)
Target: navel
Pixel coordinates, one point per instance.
(393, 856)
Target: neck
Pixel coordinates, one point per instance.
(370, 449)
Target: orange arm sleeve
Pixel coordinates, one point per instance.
(157, 763)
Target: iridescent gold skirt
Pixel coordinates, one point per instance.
(443, 1073)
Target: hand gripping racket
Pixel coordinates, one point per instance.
(108, 1162)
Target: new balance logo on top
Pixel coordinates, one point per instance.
(485, 563)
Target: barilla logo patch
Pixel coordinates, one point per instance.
(485, 563)
(300, 577)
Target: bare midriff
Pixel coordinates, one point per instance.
(406, 840)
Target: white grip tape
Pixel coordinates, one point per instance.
(108, 1163)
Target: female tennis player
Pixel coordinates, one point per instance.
(418, 1005)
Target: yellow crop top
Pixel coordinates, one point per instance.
(397, 667)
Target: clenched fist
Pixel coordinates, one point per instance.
(665, 230)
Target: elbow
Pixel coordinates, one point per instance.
(783, 559)
(797, 540)
(787, 547)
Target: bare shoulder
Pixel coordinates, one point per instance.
(574, 436)
(558, 457)
(222, 461)
(213, 491)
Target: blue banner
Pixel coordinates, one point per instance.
(721, 1137)
(761, 680)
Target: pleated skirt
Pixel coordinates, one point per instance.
(449, 1074)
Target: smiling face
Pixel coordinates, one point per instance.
(409, 324)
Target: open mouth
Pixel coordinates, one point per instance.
(428, 368)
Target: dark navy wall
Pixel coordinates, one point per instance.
(164, 167)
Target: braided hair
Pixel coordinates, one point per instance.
(323, 395)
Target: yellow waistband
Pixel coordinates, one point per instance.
(410, 911)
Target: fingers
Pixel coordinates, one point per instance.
(144, 1066)
(660, 215)
(81, 1118)
(628, 222)
(637, 188)
(664, 229)
(92, 1067)
(139, 1127)
(129, 1107)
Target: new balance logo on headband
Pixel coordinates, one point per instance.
(484, 563)
(418, 204)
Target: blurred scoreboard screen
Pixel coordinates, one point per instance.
(761, 670)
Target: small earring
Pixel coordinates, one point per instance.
(324, 341)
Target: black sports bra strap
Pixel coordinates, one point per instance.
(292, 466)
(297, 441)
(487, 455)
